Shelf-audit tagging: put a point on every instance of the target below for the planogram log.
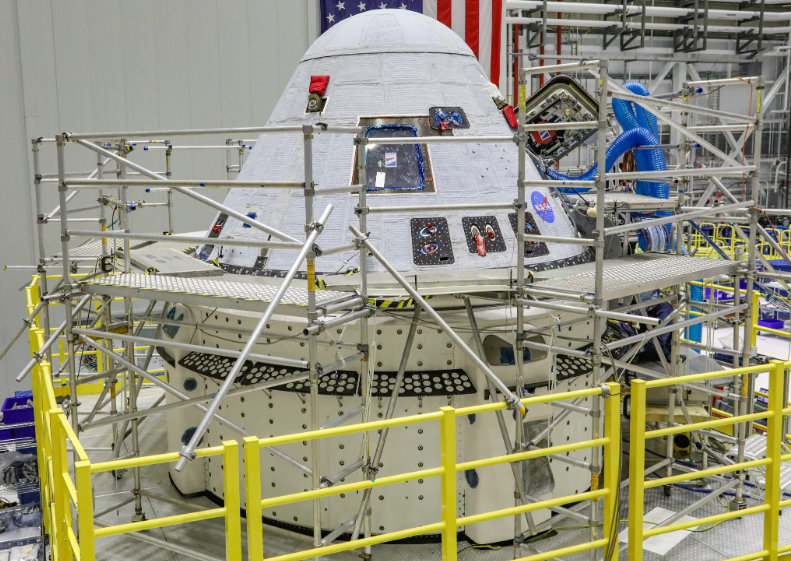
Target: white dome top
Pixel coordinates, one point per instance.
(387, 31)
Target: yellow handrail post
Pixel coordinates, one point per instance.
(612, 465)
(774, 437)
(82, 473)
(233, 517)
(60, 495)
(447, 431)
(754, 322)
(252, 495)
(39, 412)
(636, 470)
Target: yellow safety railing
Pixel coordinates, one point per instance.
(774, 438)
(67, 488)
(230, 511)
(756, 299)
(68, 491)
(446, 471)
(726, 238)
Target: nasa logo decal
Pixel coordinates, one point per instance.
(542, 206)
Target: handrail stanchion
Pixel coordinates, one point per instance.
(252, 495)
(82, 473)
(60, 495)
(612, 466)
(754, 318)
(636, 466)
(447, 431)
(774, 437)
(233, 522)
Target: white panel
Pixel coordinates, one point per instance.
(105, 73)
(140, 58)
(171, 39)
(15, 212)
(262, 38)
(234, 65)
(73, 59)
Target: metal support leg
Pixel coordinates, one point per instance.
(312, 316)
(519, 292)
(43, 283)
(67, 285)
(599, 322)
(365, 366)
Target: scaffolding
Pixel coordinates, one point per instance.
(99, 278)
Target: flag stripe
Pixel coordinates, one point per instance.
(497, 32)
(444, 12)
(458, 16)
(471, 31)
(430, 8)
(485, 34)
(478, 22)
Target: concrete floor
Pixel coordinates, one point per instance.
(725, 540)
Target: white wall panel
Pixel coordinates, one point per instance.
(15, 208)
(91, 65)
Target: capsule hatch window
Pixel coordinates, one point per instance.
(397, 168)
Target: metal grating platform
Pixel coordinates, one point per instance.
(254, 296)
(755, 449)
(618, 200)
(635, 274)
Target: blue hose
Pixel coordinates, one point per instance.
(623, 143)
(631, 120)
(629, 116)
(640, 129)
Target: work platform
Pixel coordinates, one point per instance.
(622, 277)
(251, 295)
(634, 274)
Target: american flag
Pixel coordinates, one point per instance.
(478, 22)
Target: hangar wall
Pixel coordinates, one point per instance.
(95, 65)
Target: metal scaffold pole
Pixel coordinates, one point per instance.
(130, 378)
(312, 316)
(599, 322)
(67, 287)
(520, 202)
(365, 365)
(41, 269)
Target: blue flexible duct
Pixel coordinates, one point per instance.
(623, 143)
(647, 160)
(630, 116)
(640, 129)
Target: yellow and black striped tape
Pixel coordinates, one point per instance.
(390, 303)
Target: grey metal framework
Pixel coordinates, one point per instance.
(597, 291)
